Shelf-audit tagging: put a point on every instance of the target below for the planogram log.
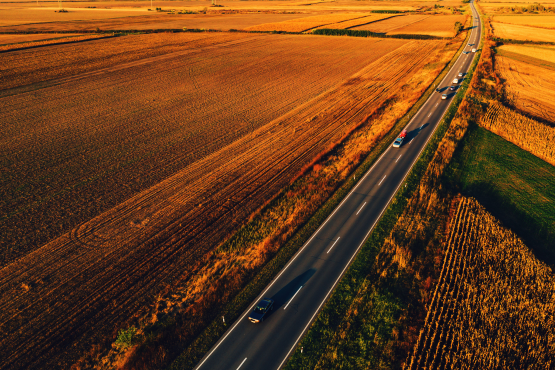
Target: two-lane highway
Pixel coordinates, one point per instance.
(302, 287)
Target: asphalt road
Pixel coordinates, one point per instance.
(302, 287)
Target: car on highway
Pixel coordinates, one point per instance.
(473, 50)
(399, 141)
(456, 81)
(466, 52)
(444, 96)
(261, 310)
(460, 74)
(452, 88)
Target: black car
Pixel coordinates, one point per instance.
(261, 310)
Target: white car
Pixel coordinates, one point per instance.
(456, 81)
(473, 50)
(444, 96)
(460, 74)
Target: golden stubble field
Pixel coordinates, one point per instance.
(165, 155)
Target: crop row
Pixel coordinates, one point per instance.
(493, 304)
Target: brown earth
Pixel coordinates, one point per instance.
(199, 111)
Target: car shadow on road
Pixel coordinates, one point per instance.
(287, 292)
(414, 133)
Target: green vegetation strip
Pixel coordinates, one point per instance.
(320, 334)
(232, 311)
(364, 33)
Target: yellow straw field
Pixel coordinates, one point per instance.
(438, 25)
(529, 134)
(388, 25)
(524, 33)
(545, 53)
(541, 21)
(493, 304)
(528, 87)
(305, 24)
(358, 21)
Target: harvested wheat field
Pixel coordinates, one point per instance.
(305, 24)
(60, 39)
(540, 21)
(390, 24)
(17, 39)
(232, 124)
(528, 87)
(438, 25)
(358, 21)
(539, 52)
(493, 304)
(530, 135)
(523, 33)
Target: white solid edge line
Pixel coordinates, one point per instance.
(384, 177)
(363, 241)
(338, 238)
(292, 297)
(241, 363)
(360, 209)
(328, 218)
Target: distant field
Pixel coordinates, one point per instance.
(159, 21)
(523, 33)
(61, 38)
(305, 24)
(164, 156)
(12, 39)
(358, 21)
(438, 25)
(541, 21)
(391, 24)
(528, 87)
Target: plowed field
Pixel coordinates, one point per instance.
(391, 24)
(13, 39)
(529, 88)
(438, 25)
(219, 123)
(524, 33)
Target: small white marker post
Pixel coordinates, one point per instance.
(301, 349)
(223, 319)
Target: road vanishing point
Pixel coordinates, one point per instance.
(305, 283)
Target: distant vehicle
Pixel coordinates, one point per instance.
(456, 81)
(262, 308)
(460, 74)
(444, 96)
(466, 52)
(399, 141)
(452, 88)
(473, 50)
